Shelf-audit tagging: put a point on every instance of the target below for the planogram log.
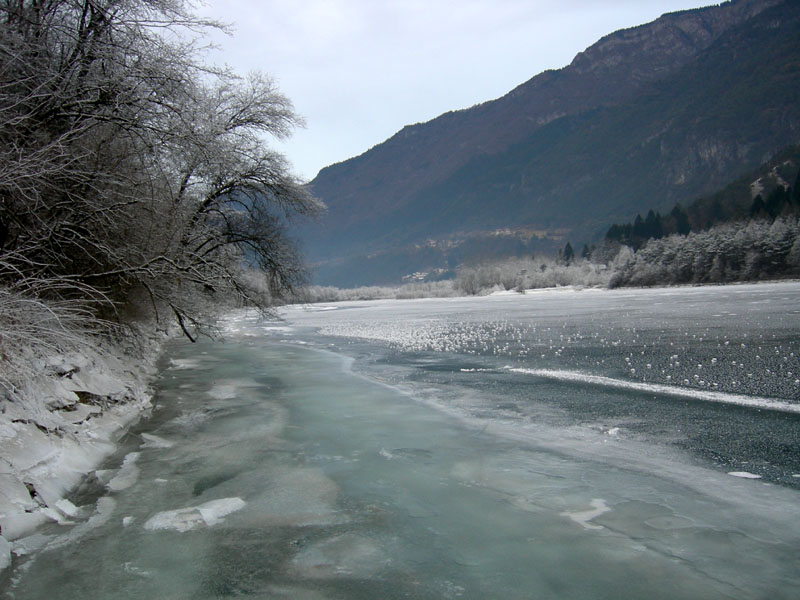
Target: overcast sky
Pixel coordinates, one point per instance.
(360, 70)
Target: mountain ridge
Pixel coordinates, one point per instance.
(418, 169)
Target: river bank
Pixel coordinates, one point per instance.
(64, 426)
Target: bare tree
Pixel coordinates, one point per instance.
(133, 173)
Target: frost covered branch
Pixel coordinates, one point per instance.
(134, 174)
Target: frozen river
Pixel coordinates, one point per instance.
(560, 444)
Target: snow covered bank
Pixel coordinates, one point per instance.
(64, 425)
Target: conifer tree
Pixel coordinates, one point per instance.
(682, 226)
(568, 254)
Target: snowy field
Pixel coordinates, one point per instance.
(560, 444)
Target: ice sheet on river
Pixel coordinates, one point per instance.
(300, 497)
(346, 555)
(349, 484)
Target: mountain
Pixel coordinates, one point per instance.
(646, 117)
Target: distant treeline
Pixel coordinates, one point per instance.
(780, 201)
(522, 274)
(717, 240)
(740, 251)
(517, 274)
(325, 293)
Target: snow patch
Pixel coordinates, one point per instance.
(584, 517)
(744, 475)
(657, 388)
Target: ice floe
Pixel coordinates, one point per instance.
(104, 508)
(184, 363)
(293, 593)
(299, 497)
(223, 391)
(5, 553)
(203, 515)
(127, 474)
(68, 509)
(30, 544)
